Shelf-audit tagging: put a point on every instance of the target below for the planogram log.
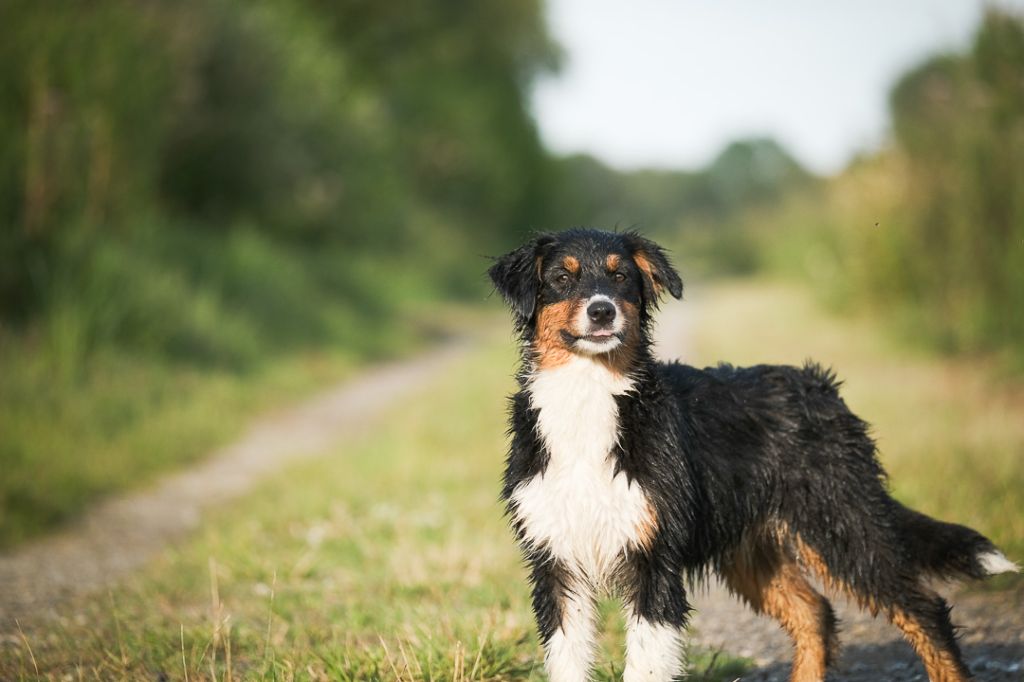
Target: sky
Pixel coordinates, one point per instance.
(668, 83)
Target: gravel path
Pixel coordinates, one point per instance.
(122, 534)
(992, 634)
(992, 639)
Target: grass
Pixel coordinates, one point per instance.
(67, 443)
(389, 559)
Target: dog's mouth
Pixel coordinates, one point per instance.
(598, 338)
(601, 336)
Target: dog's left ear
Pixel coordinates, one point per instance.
(516, 275)
(659, 275)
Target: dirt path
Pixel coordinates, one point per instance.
(992, 637)
(122, 534)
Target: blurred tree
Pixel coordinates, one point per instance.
(745, 176)
(82, 88)
(932, 227)
(452, 78)
(384, 130)
(959, 121)
(751, 172)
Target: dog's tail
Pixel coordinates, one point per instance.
(950, 551)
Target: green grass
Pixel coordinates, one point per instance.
(389, 559)
(950, 432)
(68, 442)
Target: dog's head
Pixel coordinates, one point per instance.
(584, 291)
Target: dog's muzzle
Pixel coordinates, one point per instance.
(598, 327)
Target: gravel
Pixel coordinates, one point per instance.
(991, 638)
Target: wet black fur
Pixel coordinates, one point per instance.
(723, 451)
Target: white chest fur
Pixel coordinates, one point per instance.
(578, 508)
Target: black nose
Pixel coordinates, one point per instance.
(601, 312)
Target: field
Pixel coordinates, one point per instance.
(389, 558)
(210, 211)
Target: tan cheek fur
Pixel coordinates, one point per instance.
(548, 346)
(550, 350)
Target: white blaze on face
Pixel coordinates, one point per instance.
(594, 341)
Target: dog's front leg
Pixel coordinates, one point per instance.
(655, 619)
(564, 608)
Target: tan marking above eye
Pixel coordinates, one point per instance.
(611, 263)
(571, 264)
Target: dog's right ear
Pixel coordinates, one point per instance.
(516, 275)
(654, 263)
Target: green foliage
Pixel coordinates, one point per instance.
(75, 144)
(750, 173)
(960, 123)
(200, 191)
(346, 126)
(120, 422)
(932, 228)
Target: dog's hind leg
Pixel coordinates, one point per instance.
(923, 616)
(920, 613)
(768, 578)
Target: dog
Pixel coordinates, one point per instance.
(634, 477)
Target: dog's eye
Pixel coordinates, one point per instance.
(618, 277)
(562, 278)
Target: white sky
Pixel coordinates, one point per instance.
(668, 83)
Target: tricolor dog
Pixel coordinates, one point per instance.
(635, 477)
